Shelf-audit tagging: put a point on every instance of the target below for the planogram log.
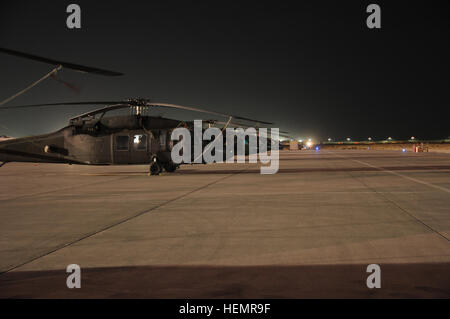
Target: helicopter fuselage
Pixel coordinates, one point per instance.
(107, 141)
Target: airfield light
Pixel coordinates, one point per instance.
(369, 138)
(403, 150)
(317, 148)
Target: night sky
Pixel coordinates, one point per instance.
(312, 67)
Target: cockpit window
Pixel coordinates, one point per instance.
(122, 142)
(140, 142)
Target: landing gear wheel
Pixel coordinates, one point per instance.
(170, 167)
(155, 166)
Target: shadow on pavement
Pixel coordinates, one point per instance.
(419, 280)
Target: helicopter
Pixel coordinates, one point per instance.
(94, 138)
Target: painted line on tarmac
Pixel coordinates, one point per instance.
(393, 201)
(444, 189)
(61, 189)
(120, 222)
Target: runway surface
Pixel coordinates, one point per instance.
(226, 231)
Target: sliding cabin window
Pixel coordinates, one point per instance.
(122, 142)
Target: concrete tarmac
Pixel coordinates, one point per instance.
(226, 231)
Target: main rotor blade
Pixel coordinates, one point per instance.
(61, 104)
(73, 66)
(232, 123)
(195, 109)
(138, 103)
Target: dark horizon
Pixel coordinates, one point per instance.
(313, 68)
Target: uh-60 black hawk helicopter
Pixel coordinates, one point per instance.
(94, 138)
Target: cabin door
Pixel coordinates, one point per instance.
(121, 148)
(131, 148)
(139, 147)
